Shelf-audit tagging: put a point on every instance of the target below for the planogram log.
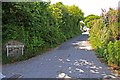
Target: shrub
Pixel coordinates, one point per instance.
(103, 35)
(39, 25)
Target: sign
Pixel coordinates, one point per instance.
(13, 50)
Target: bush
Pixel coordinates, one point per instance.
(39, 25)
(103, 35)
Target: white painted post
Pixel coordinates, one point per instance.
(7, 51)
(22, 50)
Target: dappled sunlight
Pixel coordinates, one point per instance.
(86, 32)
(79, 70)
(59, 40)
(94, 71)
(68, 60)
(80, 66)
(85, 45)
(82, 62)
(63, 75)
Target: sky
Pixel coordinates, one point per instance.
(90, 6)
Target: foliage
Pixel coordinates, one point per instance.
(39, 25)
(89, 20)
(67, 19)
(104, 36)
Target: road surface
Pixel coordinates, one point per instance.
(67, 61)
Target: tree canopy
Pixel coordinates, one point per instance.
(88, 20)
(39, 25)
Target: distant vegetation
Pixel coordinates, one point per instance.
(38, 25)
(89, 20)
(105, 36)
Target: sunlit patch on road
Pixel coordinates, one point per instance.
(79, 66)
(63, 75)
(60, 59)
(68, 60)
(79, 70)
(86, 32)
(82, 62)
(85, 45)
(94, 71)
(69, 68)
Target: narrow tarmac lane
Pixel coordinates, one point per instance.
(67, 61)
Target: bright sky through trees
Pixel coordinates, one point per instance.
(91, 6)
